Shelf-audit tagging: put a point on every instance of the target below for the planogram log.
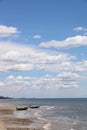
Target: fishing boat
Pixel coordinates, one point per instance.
(34, 106)
(21, 108)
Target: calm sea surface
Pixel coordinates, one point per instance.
(53, 114)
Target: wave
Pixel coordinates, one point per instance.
(48, 108)
(41, 120)
(47, 126)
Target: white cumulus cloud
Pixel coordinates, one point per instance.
(43, 82)
(23, 58)
(18, 57)
(67, 43)
(37, 36)
(80, 29)
(6, 31)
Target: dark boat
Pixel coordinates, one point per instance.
(34, 106)
(21, 108)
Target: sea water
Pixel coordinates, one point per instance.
(53, 114)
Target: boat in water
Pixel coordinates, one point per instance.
(33, 106)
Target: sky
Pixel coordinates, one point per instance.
(43, 48)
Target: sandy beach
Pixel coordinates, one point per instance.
(9, 122)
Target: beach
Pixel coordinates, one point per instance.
(53, 114)
(9, 122)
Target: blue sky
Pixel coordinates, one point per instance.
(43, 48)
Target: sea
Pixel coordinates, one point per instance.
(53, 114)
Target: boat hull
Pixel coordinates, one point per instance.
(21, 108)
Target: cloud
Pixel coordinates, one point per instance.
(24, 58)
(81, 66)
(7, 31)
(67, 43)
(37, 36)
(18, 57)
(64, 80)
(80, 29)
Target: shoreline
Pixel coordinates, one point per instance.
(9, 122)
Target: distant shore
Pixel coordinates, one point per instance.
(2, 97)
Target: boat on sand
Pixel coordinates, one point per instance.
(21, 108)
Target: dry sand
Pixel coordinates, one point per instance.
(2, 126)
(7, 119)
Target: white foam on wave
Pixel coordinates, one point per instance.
(47, 126)
(72, 129)
(48, 108)
(36, 114)
(39, 117)
(43, 119)
(20, 114)
(74, 123)
(41, 122)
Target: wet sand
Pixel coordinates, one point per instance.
(9, 122)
